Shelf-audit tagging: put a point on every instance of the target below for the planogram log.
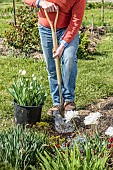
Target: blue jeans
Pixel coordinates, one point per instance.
(68, 63)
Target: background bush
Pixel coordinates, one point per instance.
(83, 46)
(24, 35)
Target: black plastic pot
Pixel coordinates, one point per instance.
(27, 114)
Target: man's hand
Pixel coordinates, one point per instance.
(58, 53)
(48, 6)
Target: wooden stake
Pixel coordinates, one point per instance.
(14, 13)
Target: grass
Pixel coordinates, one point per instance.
(92, 15)
(95, 78)
(6, 11)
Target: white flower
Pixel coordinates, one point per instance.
(22, 84)
(109, 131)
(92, 118)
(30, 83)
(33, 75)
(41, 78)
(23, 72)
(20, 71)
(31, 87)
(34, 78)
(70, 114)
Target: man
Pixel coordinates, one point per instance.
(69, 21)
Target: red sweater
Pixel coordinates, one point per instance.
(70, 15)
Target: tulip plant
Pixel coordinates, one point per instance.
(26, 91)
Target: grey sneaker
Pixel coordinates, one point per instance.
(69, 106)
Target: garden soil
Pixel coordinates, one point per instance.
(104, 106)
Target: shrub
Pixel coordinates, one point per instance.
(93, 5)
(18, 147)
(83, 46)
(24, 35)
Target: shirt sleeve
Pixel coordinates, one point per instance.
(37, 3)
(64, 43)
(76, 21)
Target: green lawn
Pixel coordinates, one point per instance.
(6, 15)
(95, 78)
(94, 16)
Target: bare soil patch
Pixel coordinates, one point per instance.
(104, 106)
